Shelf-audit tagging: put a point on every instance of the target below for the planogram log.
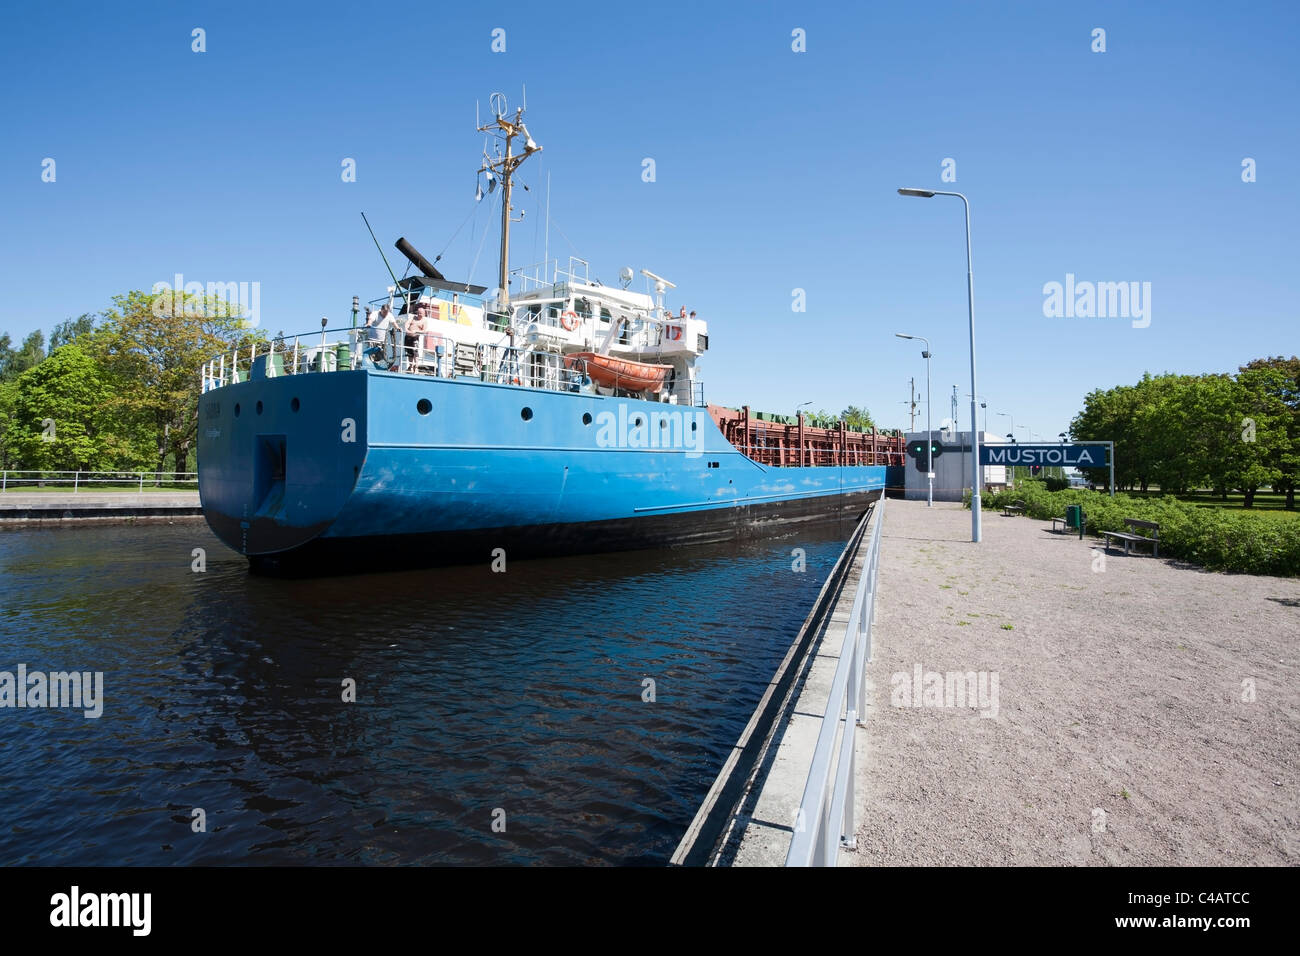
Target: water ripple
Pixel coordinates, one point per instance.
(482, 700)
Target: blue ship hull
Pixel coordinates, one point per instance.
(347, 470)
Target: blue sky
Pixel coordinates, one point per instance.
(775, 171)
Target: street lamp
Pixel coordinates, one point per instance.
(984, 405)
(970, 302)
(929, 437)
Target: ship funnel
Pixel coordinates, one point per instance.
(424, 265)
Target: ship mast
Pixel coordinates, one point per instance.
(503, 168)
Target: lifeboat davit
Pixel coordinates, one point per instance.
(619, 373)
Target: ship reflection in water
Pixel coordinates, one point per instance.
(515, 697)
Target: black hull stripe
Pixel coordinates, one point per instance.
(325, 555)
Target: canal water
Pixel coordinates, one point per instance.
(499, 718)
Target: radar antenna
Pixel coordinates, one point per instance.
(501, 169)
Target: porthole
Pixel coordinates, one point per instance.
(259, 408)
(663, 423)
(236, 409)
(424, 406)
(693, 424)
(586, 418)
(295, 404)
(526, 413)
(637, 421)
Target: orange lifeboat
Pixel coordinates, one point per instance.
(619, 373)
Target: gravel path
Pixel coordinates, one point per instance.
(1126, 730)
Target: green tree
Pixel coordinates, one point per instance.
(1215, 414)
(153, 345)
(858, 417)
(14, 362)
(1109, 415)
(1273, 387)
(72, 330)
(58, 418)
(8, 459)
(1158, 444)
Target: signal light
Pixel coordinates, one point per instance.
(917, 449)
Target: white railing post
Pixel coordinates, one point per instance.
(849, 825)
(142, 482)
(76, 480)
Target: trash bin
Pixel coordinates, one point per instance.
(1072, 516)
(343, 351)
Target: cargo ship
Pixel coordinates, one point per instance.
(459, 425)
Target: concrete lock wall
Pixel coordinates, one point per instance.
(952, 467)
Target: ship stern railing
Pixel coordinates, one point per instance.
(421, 353)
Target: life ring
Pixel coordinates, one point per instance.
(569, 320)
(673, 333)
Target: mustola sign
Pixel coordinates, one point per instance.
(1076, 456)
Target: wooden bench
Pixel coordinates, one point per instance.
(1130, 539)
(1065, 526)
(1015, 508)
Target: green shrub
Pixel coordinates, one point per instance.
(1054, 483)
(1213, 538)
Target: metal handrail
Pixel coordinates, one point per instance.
(500, 363)
(80, 478)
(817, 816)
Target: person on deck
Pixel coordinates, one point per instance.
(415, 328)
(377, 326)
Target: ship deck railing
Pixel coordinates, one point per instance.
(533, 277)
(434, 355)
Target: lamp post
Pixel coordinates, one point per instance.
(929, 437)
(984, 405)
(970, 302)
